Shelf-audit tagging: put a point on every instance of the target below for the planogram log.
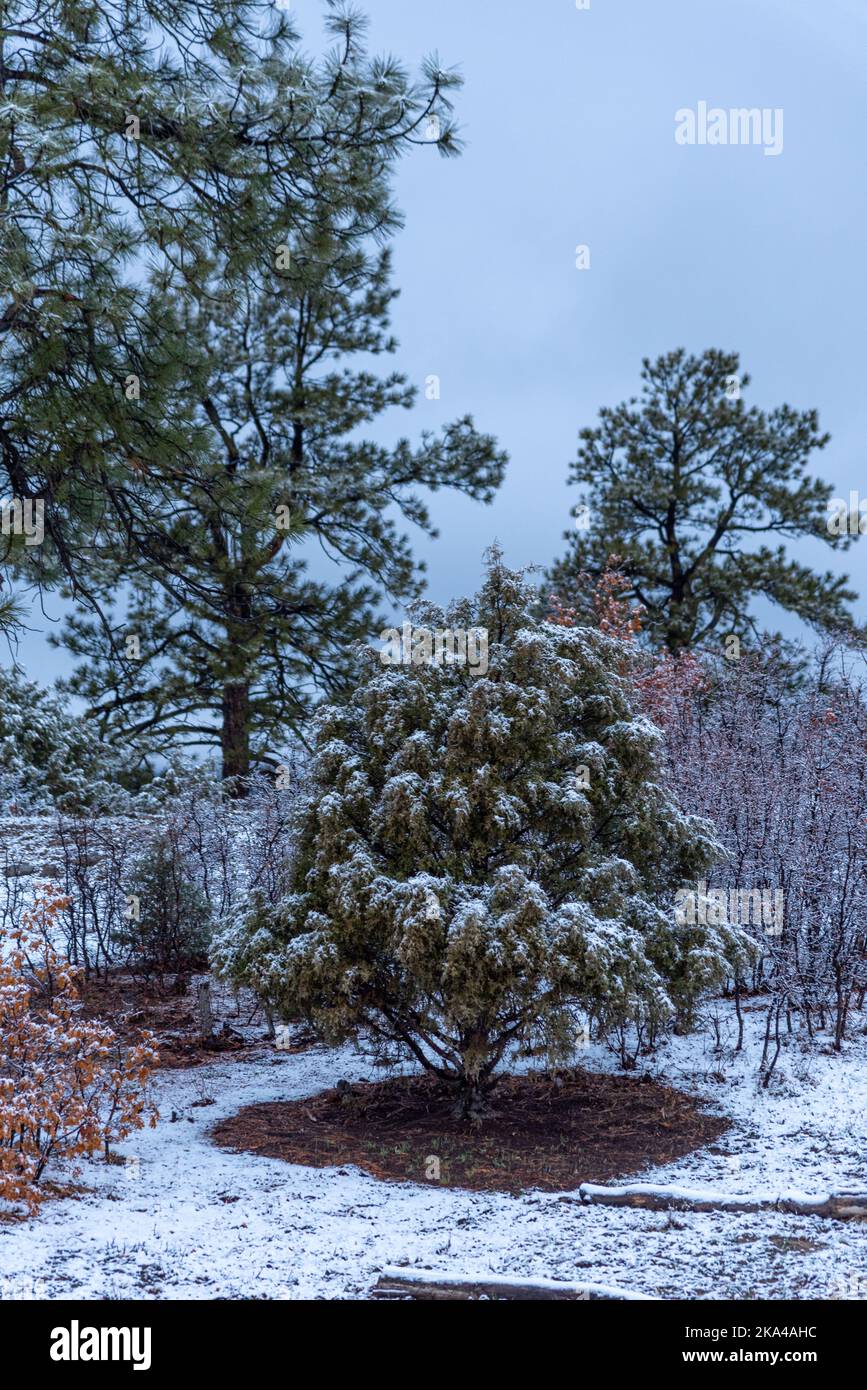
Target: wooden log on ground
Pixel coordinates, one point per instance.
(429, 1285)
(839, 1206)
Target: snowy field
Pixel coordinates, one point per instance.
(185, 1219)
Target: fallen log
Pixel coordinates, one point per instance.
(428, 1285)
(838, 1206)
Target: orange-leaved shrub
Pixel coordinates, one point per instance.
(67, 1087)
(603, 603)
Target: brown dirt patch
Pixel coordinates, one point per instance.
(132, 1007)
(549, 1131)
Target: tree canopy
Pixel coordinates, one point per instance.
(687, 486)
(482, 856)
(145, 148)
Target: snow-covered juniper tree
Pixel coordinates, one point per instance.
(482, 856)
(50, 757)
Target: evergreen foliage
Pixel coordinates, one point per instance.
(485, 857)
(678, 484)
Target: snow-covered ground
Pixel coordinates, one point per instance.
(189, 1220)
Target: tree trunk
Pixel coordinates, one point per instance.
(471, 1104)
(836, 1206)
(203, 1009)
(235, 732)
(431, 1287)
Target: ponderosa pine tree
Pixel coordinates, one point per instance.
(143, 145)
(482, 855)
(675, 485)
(231, 639)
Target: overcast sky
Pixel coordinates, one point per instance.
(569, 118)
